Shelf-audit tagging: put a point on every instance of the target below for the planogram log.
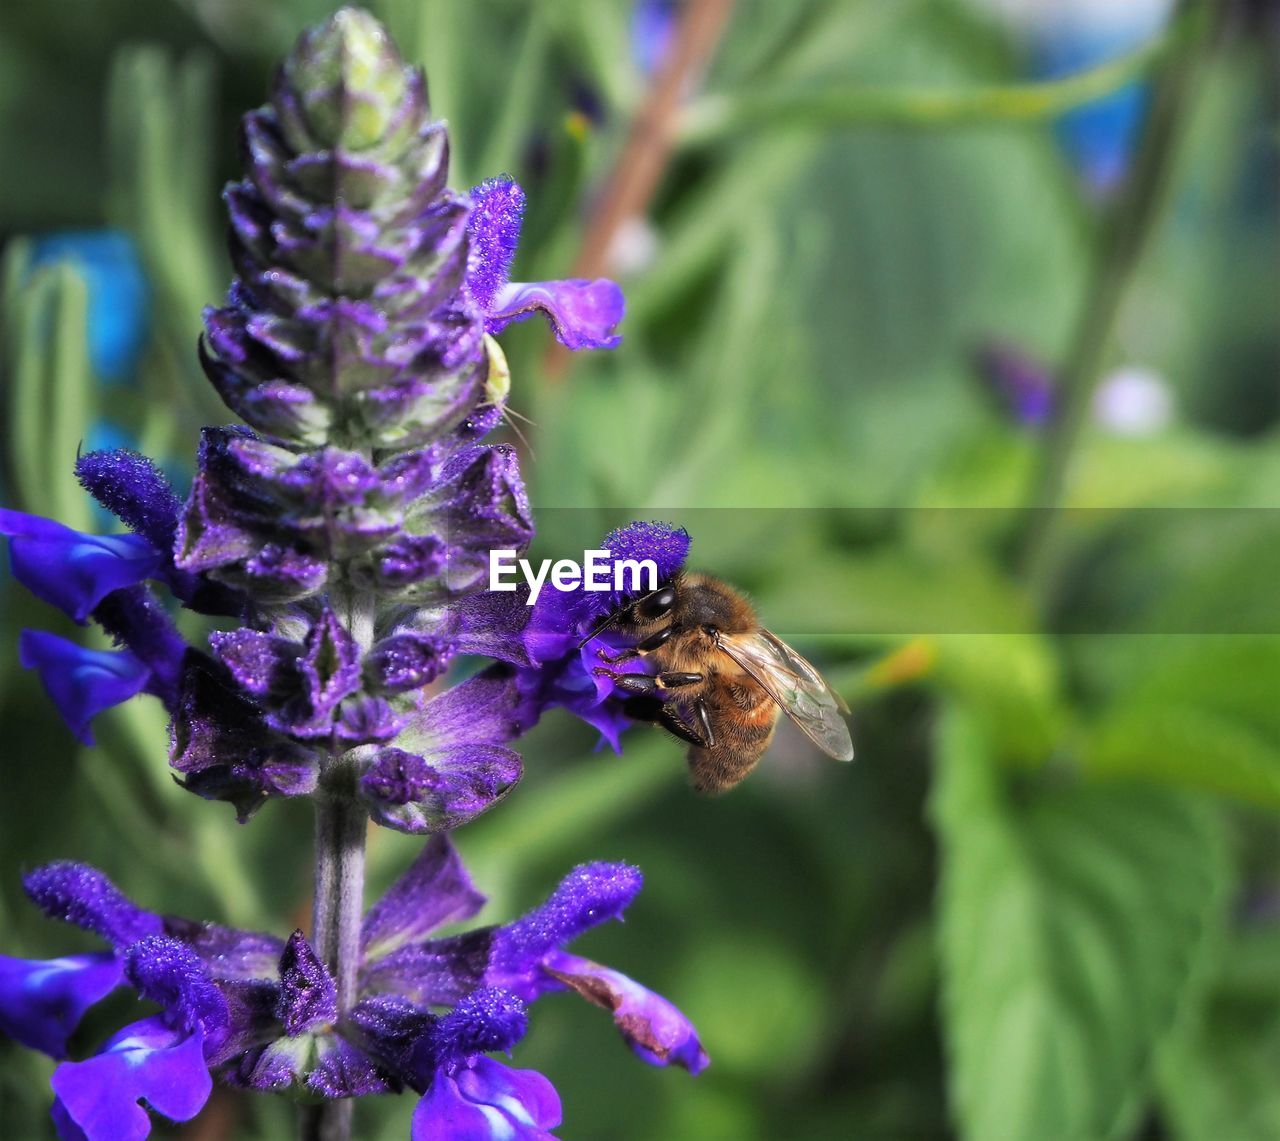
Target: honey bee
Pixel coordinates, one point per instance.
(721, 679)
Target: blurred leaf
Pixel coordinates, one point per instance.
(1197, 712)
(1218, 1078)
(52, 395)
(769, 1038)
(1010, 682)
(1072, 922)
(160, 127)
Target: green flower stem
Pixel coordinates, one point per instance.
(718, 117)
(1123, 240)
(341, 827)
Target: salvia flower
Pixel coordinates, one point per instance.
(344, 528)
(261, 1012)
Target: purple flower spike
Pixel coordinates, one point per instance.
(587, 896)
(487, 1100)
(84, 897)
(71, 570)
(651, 1026)
(80, 682)
(308, 994)
(42, 1001)
(134, 490)
(98, 1099)
(583, 314)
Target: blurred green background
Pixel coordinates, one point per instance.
(1045, 901)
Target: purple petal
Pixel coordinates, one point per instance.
(666, 545)
(479, 711)
(583, 314)
(71, 570)
(436, 972)
(487, 1102)
(135, 491)
(433, 891)
(560, 618)
(83, 896)
(308, 994)
(586, 897)
(398, 1033)
(330, 665)
(42, 1001)
(171, 974)
(98, 1099)
(80, 682)
(261, 663)
(407, 661)
(497, 206)
(228, 953)
(651, 1025)
(344, 1070)
(443, 791)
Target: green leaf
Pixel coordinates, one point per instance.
(1072, 922)
(1218, 1078)
(1202, 714)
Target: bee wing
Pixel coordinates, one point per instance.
(796, 686)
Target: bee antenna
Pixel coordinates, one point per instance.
(615, 617)
(610, 621)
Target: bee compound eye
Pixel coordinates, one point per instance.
(656, 605)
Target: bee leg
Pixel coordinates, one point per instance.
(647, 684)
(651, 643)
(704, 723)
(640, 685)
(673, 680)
(653, 709)
(620, 656)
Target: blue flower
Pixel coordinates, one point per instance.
(485, 1101)
(71, 570)
(42, 1001)
(1099, 137)
(81, 682)
(117, 291)
(148, 1061)
(261, 1012)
